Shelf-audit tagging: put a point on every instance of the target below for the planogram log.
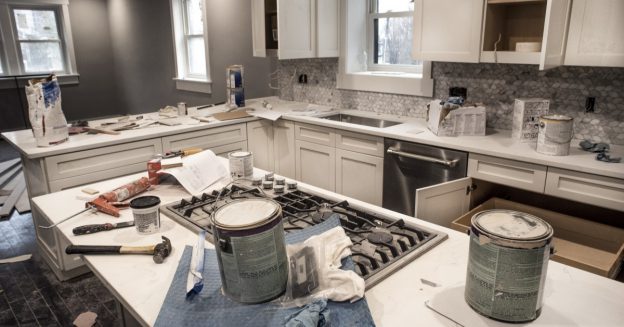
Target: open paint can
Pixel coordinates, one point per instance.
(507, 263)
(146, 212)
(249, 239)
(555, 134)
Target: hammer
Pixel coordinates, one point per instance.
(159, 251)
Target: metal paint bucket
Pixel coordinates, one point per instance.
(555, 134)
(249, 238)
(507, 263)
(241, 164)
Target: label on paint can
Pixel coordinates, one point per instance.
(241, 164)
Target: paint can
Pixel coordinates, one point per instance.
(146, 212)
(181, 108)
(153, 167)
(507, 263)
(555, 134)
(241, 164)
(251, 252)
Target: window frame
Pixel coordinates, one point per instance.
(13, 65)
(184, 79)
(370, 39)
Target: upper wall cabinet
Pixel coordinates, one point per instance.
(295, 28)
(595, 37)
(447, 30)
(491, 31)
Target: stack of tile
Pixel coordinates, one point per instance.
(234, 86)
(13, 192)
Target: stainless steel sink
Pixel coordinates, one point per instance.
(366, 121)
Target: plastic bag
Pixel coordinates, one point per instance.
(315, 270)
(44, 110)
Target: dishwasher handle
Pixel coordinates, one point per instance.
(448, 163)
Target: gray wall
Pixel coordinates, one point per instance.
(144, 58)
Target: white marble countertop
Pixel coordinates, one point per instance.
(572, 297)
(496, 143)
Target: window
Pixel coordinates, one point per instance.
(191, 51)
(375, 50)
(36, 38)
(389, 36)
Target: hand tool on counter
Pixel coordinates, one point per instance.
(110, 202)
(183, 152)
(95, 228)
(159, 251)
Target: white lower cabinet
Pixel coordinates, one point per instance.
(359, 176)
(586, 188)
(273, 146)
(260, 143)
(316, 164)
(206, 139)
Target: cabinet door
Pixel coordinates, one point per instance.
(447, 30)
(284, 148)
(359, 176)
(258, 28)
(595, 34)
(327, 24)
(260, 143)
(443, 203)
(555, 29)
(316, 164)
(296, 28)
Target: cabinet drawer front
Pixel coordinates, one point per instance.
(507, 172)
(587, 188)
(361, 143)
(315, 134)
(65, 183)
(223, 150)
(316, 165)
(359, 176)
(94, 161)
(206, 139)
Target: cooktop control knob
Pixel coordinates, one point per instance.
(280, 180)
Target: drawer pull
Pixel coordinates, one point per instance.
(448, 163)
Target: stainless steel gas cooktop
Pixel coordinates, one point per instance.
(381, 244)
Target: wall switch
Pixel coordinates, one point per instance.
(303, 79)
(590, 104)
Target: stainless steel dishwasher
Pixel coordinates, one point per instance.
(410, 166)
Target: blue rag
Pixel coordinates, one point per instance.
(314, 314)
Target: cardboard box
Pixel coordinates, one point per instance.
(580, 243)
(464, 121)
(525, 122)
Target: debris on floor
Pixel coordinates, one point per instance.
(85, 319)
(19, 258)
(13, 193)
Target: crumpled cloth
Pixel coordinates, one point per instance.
(601, 150)
(314, 314)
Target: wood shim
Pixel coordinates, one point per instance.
(7, 207)
(23, 204)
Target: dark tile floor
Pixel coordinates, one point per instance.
(31, 295)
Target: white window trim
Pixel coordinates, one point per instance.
(184, 82)
(353, 72)
(12, 65)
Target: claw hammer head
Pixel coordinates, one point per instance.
(162, 250)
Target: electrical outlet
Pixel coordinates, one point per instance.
(303, 79)
(590, 104)
(456, 91)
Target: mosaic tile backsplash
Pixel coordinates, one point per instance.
(495, 85)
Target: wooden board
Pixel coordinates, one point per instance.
(230, 115)
(23, 203)
(8, 164)
(8, 205)
(8, 176)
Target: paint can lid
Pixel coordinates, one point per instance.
(240, 154)
(512, 225)
(144, 202)
(247, 213)
(556, 117)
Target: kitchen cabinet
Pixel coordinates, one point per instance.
(517, 174)
(359, 176)
(586, 188)
(295, 28)
(595, 34)
(316, 164)
(455, 30)
(207, 139)
(447, 30)
(273, 146)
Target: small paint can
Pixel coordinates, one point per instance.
(153, 167)
(241, 164)
(507, 263)
(555, 134)
(146, 212)
(251, 253)
(181, 108)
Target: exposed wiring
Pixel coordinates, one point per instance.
(496, 46)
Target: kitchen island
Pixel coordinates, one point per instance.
(572, 297)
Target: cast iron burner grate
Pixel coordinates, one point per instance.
(381, 244)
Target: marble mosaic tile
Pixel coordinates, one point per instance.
(495, 85)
